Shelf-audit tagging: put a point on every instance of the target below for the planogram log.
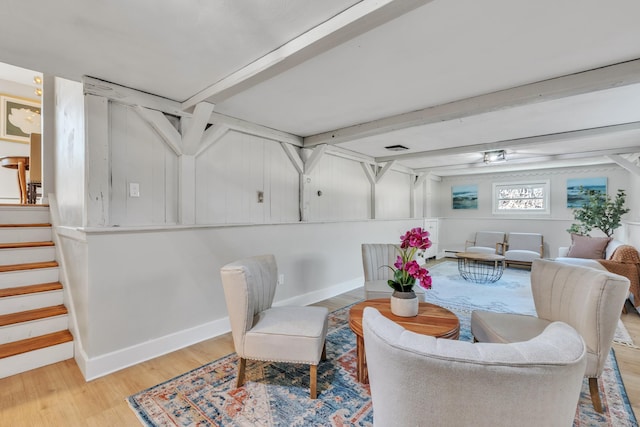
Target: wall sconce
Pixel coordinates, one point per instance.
(494, 156)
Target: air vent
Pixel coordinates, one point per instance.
(396, 148)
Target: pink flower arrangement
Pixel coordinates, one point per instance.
(407, 270)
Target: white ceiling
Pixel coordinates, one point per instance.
(447, 79)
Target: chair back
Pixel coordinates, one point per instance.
(526, 242)
(589, 300)
(421, 380)
(375, 256)
(249, 288)
(488, 239)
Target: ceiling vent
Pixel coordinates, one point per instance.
(396, 148)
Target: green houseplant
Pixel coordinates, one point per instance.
(599, 212)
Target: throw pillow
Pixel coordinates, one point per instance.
(588, 247)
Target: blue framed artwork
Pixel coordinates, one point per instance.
(576, 199)
(464, 196)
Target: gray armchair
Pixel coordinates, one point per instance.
(486, 242)
(587, 299)
(263, 332)
(523, 248)
(418, 380)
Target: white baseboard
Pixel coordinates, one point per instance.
(93, 368)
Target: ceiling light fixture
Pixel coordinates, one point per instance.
(494, 156)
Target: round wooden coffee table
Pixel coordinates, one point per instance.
(431, 320)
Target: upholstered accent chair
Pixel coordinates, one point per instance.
(263, 332)
(486, 242)
(589, 300)
(375, 259)
(523, 248)
(419, 380)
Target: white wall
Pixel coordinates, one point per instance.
(153, 291)
(229, 175)
(345, 191)
(458, 225)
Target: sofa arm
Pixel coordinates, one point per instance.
(563, 251)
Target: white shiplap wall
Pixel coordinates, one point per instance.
(139, 156)
(229, 175)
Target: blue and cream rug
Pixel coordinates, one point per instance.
(276, 394)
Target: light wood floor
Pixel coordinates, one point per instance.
(57, 395)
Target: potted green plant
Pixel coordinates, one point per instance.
(599, 212)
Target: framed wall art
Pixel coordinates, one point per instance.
(20, 118)
(464, 196)
(575, 199)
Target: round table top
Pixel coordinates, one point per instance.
(431, 319)
(12, 161)
(480, 256)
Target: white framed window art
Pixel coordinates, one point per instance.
(531, 197)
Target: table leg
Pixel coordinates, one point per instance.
(361, 372)
(22, 183)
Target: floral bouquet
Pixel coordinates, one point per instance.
(407, 270)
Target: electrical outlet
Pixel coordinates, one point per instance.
(134, 189)
(281, 279)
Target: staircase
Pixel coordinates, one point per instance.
(33, 319)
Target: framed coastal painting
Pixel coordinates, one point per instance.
(464, 196)
(20, 118)
(575, 198)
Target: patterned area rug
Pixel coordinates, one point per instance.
(510, 294)
(276, 394)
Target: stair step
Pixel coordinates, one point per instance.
(29, 315)
(35, 343)
(30, 289)
(19, 245)
(28, 266)
(14, 233)
(39, 224)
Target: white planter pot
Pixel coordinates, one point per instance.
(404, 304)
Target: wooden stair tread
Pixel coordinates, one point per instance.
(28, 266)
(18, 245)
(30, 289)
(28, 205)
(35, 343)
(40, 224)
(35, 314)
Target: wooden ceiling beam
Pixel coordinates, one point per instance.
(603, 78)
(530, 141)
(352, 22)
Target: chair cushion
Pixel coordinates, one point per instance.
(481, 249)
(587, 247)
(521, 255)
(488, 326)
(287, 334)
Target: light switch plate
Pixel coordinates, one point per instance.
(134, 189)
